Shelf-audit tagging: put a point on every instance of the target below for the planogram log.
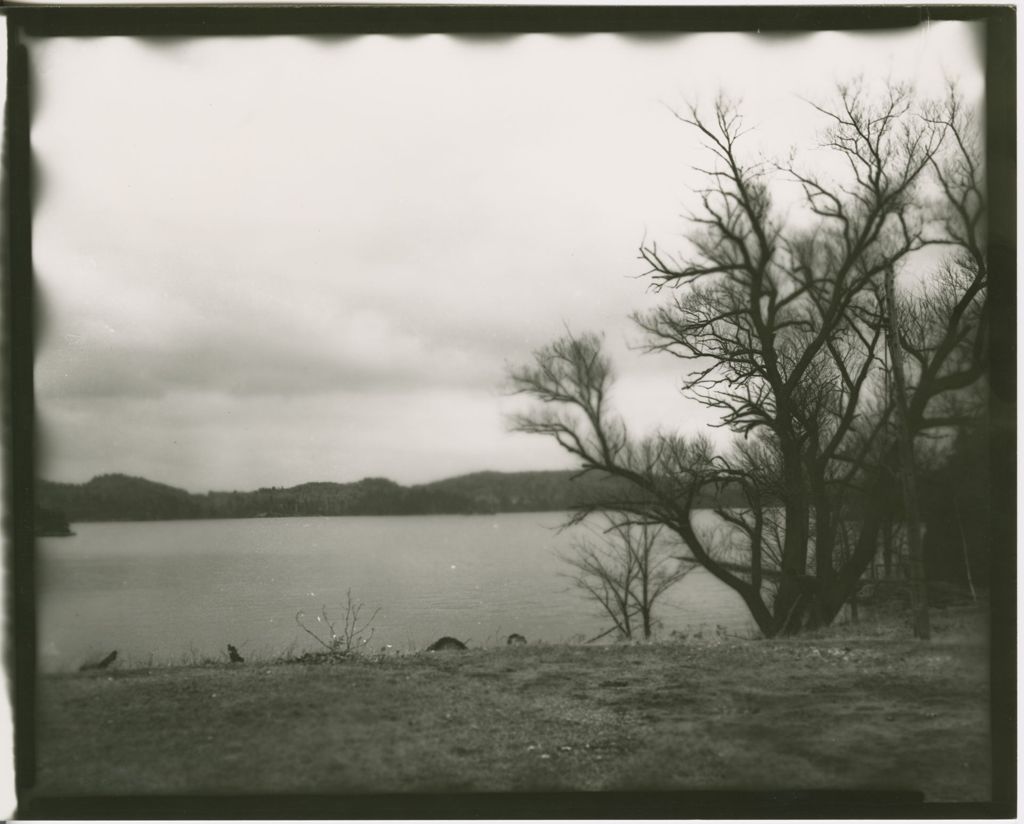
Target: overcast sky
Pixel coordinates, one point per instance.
(271, 260)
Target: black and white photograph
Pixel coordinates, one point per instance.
(509, 413)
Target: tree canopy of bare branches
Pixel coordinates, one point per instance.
(781, 327)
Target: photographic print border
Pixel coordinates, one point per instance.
(483, 21)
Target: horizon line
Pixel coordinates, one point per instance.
(575, 470)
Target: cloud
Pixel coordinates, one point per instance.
(289, 352)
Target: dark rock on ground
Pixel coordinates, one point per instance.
(446, 643)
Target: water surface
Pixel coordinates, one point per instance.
(171, 591)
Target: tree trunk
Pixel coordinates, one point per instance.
(963, 546)
(911, 513)
(790, 600)
(887, 549)
(824, 538)
(764, 619)
(844, 543)
(645, 581)
(847, 579)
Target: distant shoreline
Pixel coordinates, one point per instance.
(117, 497)
(292, 517)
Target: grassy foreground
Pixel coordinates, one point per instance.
(861, 708)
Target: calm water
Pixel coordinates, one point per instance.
(173, 590)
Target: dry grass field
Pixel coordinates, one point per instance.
(862, 707)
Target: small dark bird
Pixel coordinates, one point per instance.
(515, 639)
(106, 662)
(446, 643)
(234, 656)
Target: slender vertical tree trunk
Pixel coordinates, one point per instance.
(918, 584)
(844, 542)
(887, 549)
(963, 545)
(642, 550)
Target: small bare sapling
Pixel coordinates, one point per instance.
(348, 638)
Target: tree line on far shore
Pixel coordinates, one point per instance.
(117, 497)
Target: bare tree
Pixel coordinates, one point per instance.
(625, 569)
(784, 330)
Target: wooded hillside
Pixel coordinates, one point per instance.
(117, 497)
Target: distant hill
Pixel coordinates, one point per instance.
(117, 497)
(524, 491)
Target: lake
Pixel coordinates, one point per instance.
(175, 591)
